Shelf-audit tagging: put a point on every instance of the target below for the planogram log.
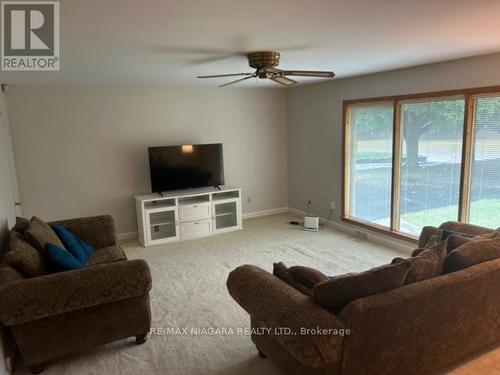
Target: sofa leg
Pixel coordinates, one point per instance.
(261, 355)
(38, 368)
(141, 339)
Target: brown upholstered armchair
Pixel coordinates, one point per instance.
(54, 315)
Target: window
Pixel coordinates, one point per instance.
(431, 162)
(413, 161)
(485, 184)
(370, 158)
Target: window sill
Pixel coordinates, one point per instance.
(380, 229)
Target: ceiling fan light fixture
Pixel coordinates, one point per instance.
(263, 59)
(265, 63)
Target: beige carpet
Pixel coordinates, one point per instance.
(189, 291)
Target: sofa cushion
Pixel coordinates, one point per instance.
(455, 241)
(9, 274)
(21, 225)
(426, 265)
(307, 276)
(432, 234)
(428, 235)
(339, 291)
(415, 252)
(459, 227)
(448, 233)
(39, 233)
(471, 253)
(76, 246)
(432, 237)
(98, 231)
(24, 257)
(494, 234)
(301, 278)
(107, 254)
(60, 260)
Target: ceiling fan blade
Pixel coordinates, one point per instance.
(227, 75)
(238, 80)
(308, 73)
(190, 50)
(215, 58)
(283, 80)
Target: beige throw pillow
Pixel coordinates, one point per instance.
(24, 257)
(39, 234)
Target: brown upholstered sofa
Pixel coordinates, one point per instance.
(415, 329)
(54, 315)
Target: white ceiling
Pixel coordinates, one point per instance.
(169, 42)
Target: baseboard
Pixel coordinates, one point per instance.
(354, 231)
(272, 211)
(126, 237)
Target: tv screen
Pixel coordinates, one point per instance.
(185, 166)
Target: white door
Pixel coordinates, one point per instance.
(8, 154)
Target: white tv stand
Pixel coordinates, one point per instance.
(185, 214)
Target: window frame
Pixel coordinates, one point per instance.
(469, 95)
(347, 160)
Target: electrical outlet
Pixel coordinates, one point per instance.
(332, 205)
(249, 199)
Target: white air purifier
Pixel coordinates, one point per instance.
(311, 223)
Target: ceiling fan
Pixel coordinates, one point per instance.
(265, 64)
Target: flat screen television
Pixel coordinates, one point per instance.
(186, 166)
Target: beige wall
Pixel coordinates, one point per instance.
(315, 121)
(83, 151)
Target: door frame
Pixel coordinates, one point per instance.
(9, 148)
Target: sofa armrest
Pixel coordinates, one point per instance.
(276, 304)
(98, 231)
(63, 292)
